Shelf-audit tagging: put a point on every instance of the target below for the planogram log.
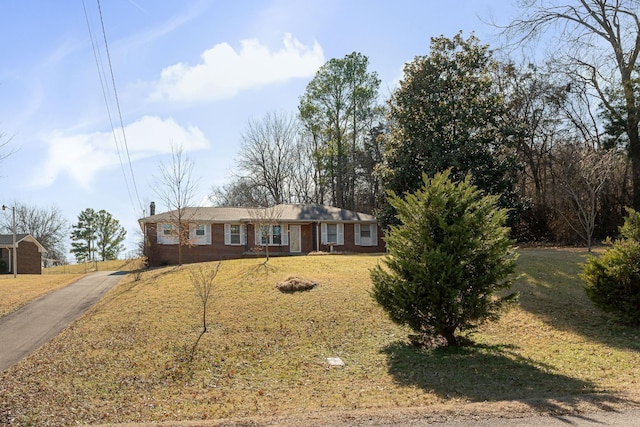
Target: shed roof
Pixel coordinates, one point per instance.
(6, 240)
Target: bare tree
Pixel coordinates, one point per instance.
(268, 230)
(303, 185)
(238, 192)
(266, 155)
(600, 40)
(176, 190)
(582, 175)
(46, 225)
(4, 150)
(202, 277)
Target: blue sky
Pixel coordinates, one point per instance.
(186, 72)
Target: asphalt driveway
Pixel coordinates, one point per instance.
(26, 329)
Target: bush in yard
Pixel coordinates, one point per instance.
(4, 267)
(612, 281)
(447, 258)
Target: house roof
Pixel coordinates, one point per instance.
(6, 241)
(285, 213)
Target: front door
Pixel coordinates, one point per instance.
(294, 239)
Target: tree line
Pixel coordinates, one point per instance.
(556, 139)
(97, 236)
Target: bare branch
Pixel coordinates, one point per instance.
(176, 188)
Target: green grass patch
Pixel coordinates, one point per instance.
(129, 358)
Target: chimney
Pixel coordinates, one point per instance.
(152, 209)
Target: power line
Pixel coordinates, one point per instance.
(100, 67)
(115, 92)
(101, 72)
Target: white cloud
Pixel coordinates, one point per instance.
(83, 156)
(224, 72)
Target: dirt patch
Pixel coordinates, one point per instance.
(295, 284)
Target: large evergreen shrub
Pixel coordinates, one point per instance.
(447, 257)
(612, 281)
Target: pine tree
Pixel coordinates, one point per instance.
(109, 236)
(83, 236)
(97, 232)
(447, 257)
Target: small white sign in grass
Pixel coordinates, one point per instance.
(335, 361)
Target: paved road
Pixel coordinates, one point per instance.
(26, 329)
(626, 418)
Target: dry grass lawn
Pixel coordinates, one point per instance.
(129, 358)
(14, 293)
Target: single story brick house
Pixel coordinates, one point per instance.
(217, 233)
(29, 253)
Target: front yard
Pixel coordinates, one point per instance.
(129, 358)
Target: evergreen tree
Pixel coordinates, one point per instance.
(338, 109)
(83, 236)
(447, 257)
(612, 280)
(109, 236)
(97, 232)
(447, 114)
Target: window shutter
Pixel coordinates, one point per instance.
(160, 233)
(285, 234)
(340, 228)
(258, 234)
(356, 233)
(227, 234)
(323, 232)
(374, 234)
(243, 234)
(207, 234)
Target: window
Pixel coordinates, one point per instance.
(166, 234)
(276, 235)
(265, 234)
(200, 234)
(234, 234)
(366, 234)
(332, 234)
(272, 235)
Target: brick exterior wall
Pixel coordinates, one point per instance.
(350, 245)
(29, 259)
(4, 255)
(158, 254)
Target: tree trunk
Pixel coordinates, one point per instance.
(449, 335)
(634, 155)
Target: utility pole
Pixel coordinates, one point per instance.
(14, 256)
